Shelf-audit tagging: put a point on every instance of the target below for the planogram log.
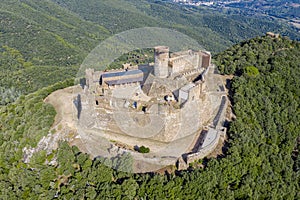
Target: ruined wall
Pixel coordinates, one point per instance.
(191, 93)
(195, 92)
(157, 89)
(185, 61)
(176, 65)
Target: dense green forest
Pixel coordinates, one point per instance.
(261, 162)
(18, 76)
(213, 30)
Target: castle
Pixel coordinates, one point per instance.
(176, 106)
(171, 66)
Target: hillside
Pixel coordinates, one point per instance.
(54, 36)
(261, 160)
(74, 28)
(215, 31)
(41, 43)
(18, 76)
(47, 34)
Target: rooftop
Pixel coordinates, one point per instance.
(124, 81)
(187, 87)
(121, 73)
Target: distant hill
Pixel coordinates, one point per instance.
(62, 32)
(215, 31)
(287, 11)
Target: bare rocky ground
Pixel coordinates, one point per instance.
(64, 127)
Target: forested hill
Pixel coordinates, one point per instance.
(262, 160)
(45, 41)
(47, 34)
(62, 32)
(213, 30)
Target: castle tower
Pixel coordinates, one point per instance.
(206, 59)
(89, 73)
(161, 59)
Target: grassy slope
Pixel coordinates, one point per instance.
(47, 34)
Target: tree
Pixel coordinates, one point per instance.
(251, 71)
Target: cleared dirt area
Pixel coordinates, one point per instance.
(62, 101)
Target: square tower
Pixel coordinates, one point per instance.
(161, 61)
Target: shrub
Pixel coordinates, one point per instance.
(144, 149)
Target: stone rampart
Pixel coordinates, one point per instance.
(213, 135)
(205, 150)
